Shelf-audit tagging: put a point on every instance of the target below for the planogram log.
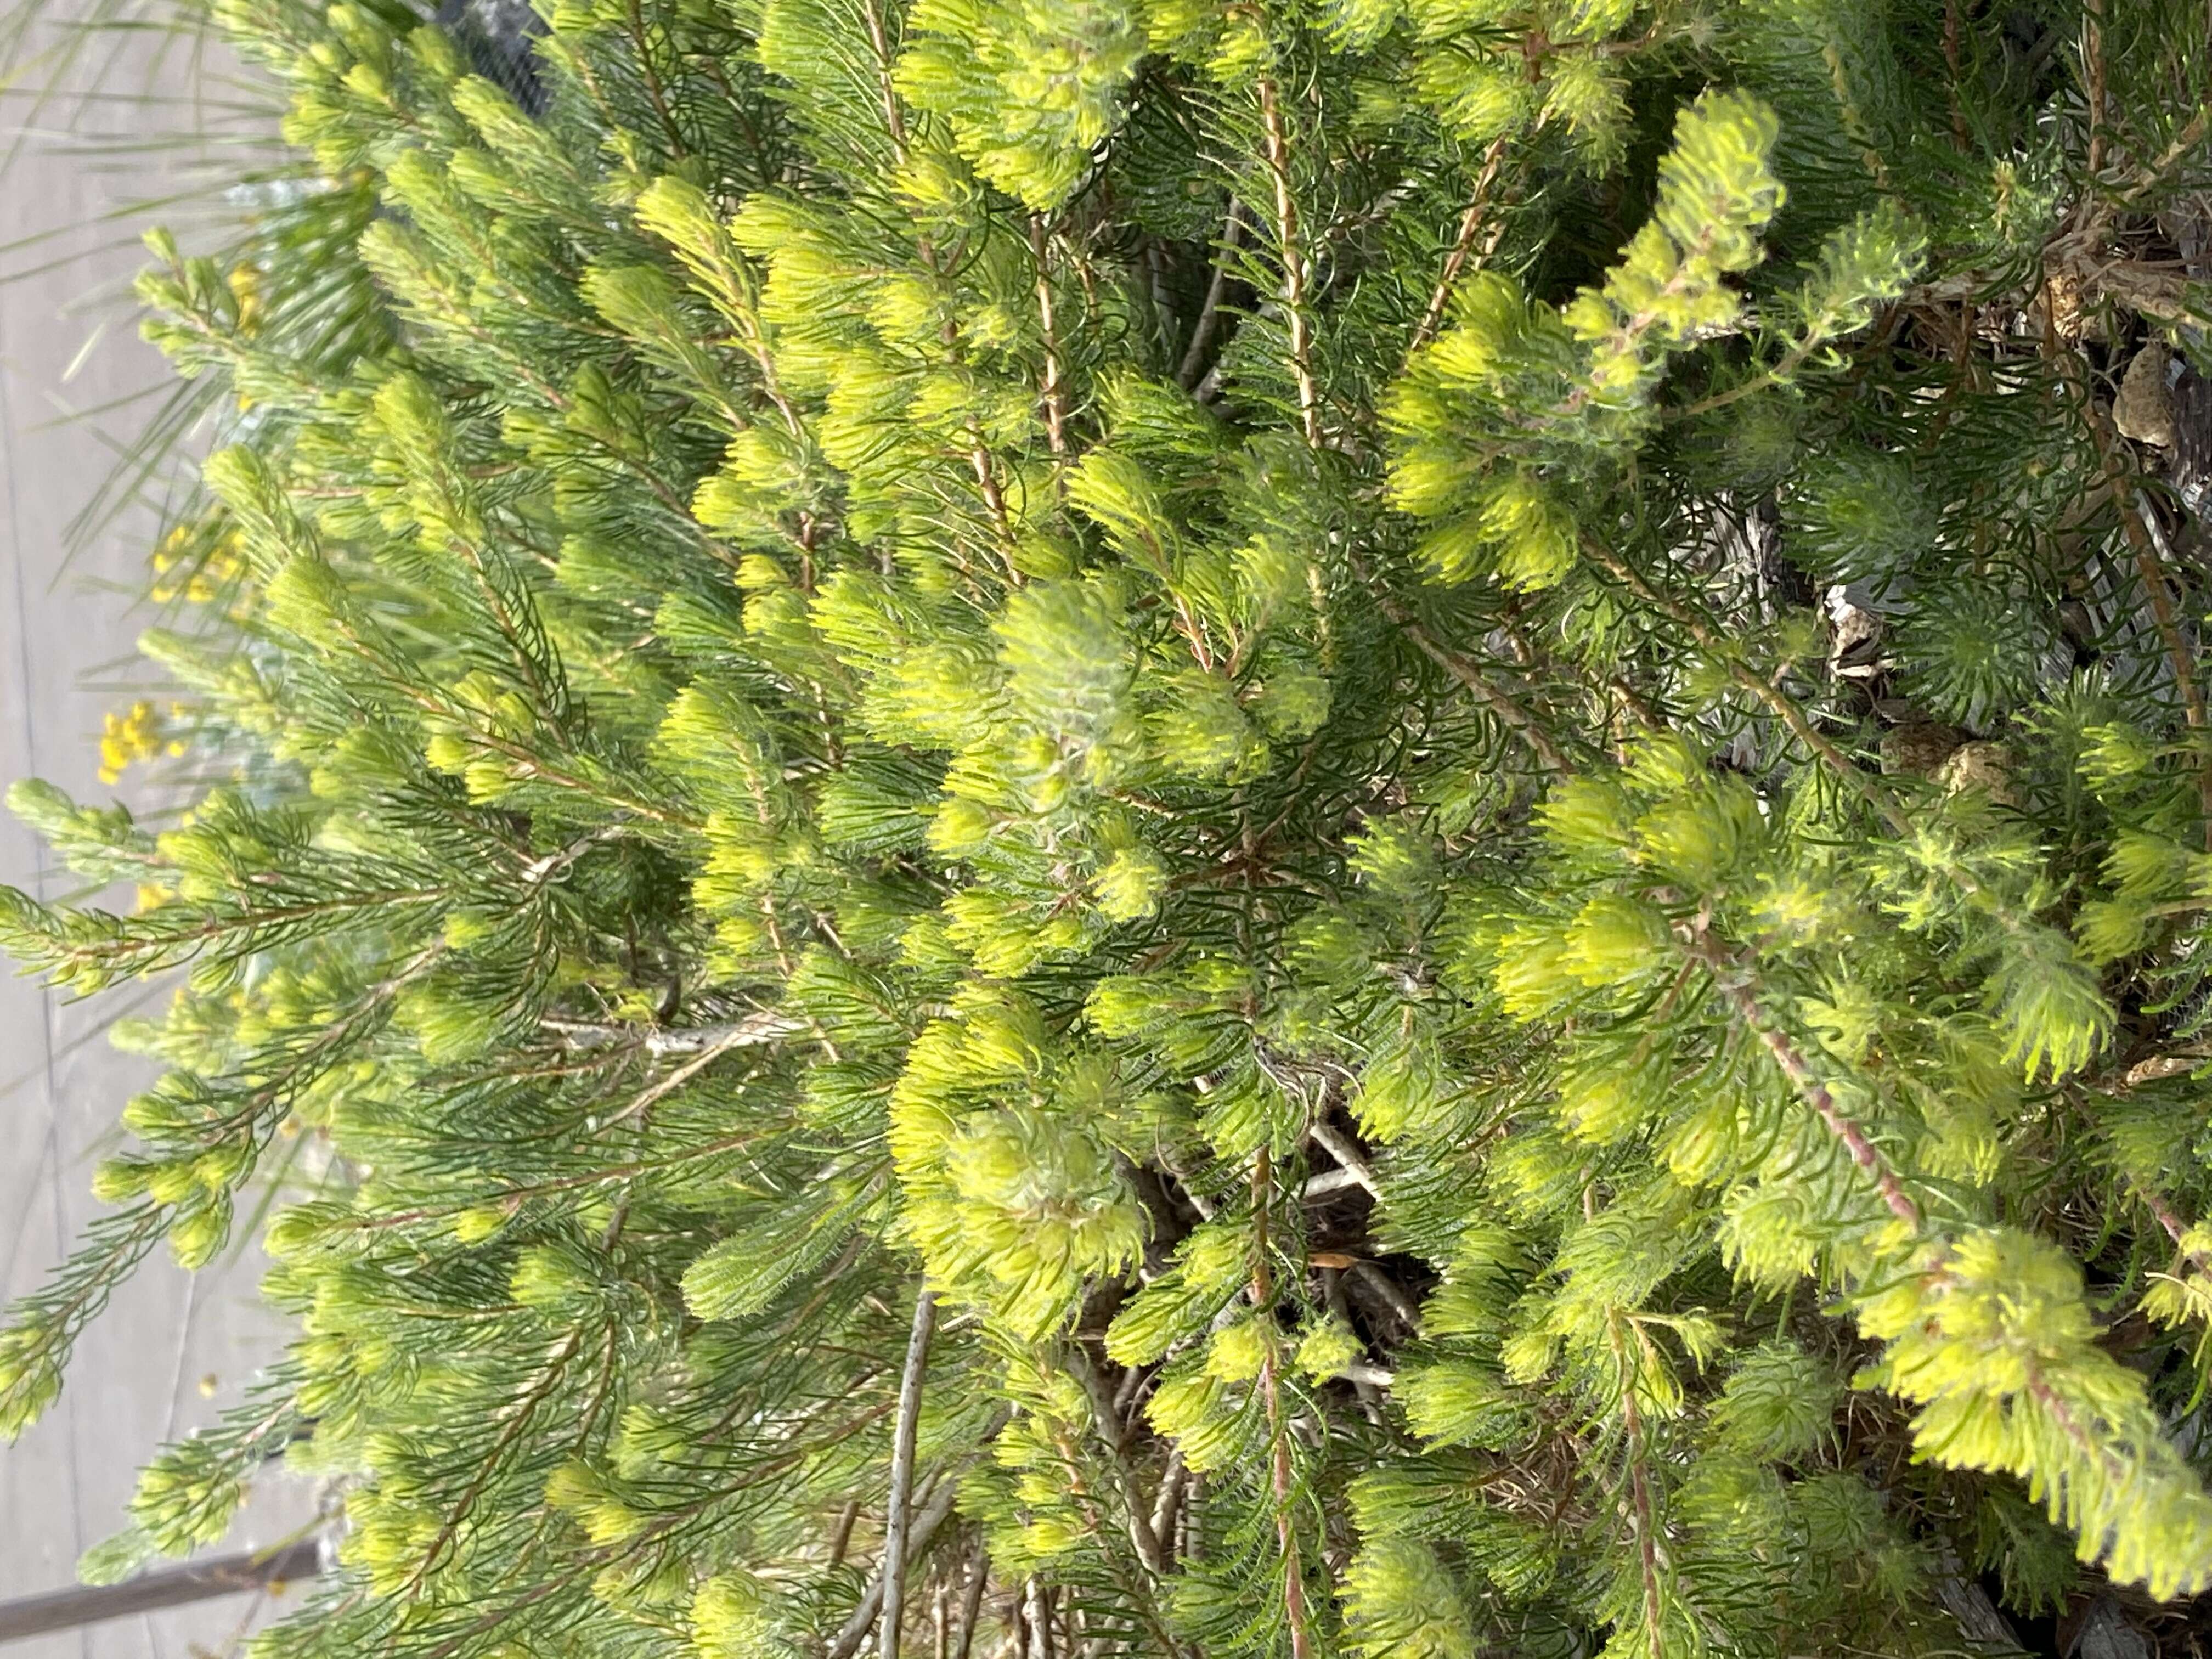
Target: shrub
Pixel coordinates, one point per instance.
(1084, 819)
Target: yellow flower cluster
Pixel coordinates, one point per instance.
(209, 577)
(135, 736)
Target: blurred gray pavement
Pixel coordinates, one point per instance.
(171, 1351)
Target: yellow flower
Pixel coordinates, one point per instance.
(245, 287)
(128, 738)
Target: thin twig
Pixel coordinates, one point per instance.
(1733, 983)
(1960, 136)
(1478, 208)
(903, 1433)
(1209, 314)
(652, 79)
(1330, 1182)
(1639, 1488)
(880, 43)
(1055, 413)
(1171, 1494)
(1282, 1480)
(2093, 55)
(684, 1073)
(1347, 1155)
(1387, 1288)
(855, 1629)
(971, 1605)
(1783, 367)
(1113, 1438)
(1501, 703)
(2184, 141)
(540, 870)
(1294, 270)
(994, 499)
(2176, 1228)
(518, 1414)
(841, 1537)
(752, 1032)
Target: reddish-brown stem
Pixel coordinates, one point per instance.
(2176, 1229)
(1477, 210)
(1960, 134)
(1639, 1492)
(651, 76)
(1510, 713)
(994, 500)
(1733, 984)
(518, 1414)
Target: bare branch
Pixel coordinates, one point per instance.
(971, 1605)
(1112, 1435)
(1348, 1156)
(1387, 1287)
(755, 1031)
(1171, 1494)
(903, 1432)
(855, 1629)
(1209, 314)
(1332, 1181)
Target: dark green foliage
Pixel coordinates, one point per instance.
(1449, 752)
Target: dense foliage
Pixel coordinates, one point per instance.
(1196, 828)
